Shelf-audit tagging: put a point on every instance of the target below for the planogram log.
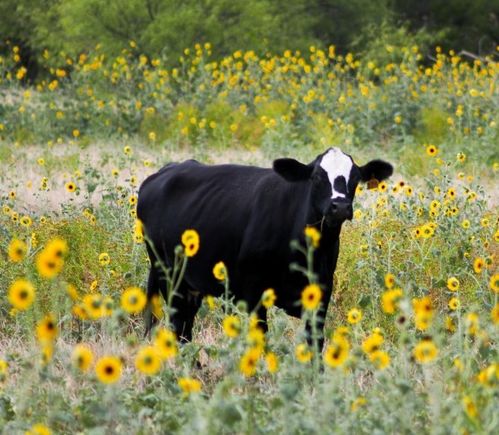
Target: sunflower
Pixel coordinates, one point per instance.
(478, 265)
(390, 299)
(311, 297)
(72, 292)
(313, 236)
(4, 369)
(47, 266)
(26, 221)
(190, 240)
(220, 271)
(132, 200)
(256, 337)
(453, 284)
(82, 357)
(21, 294)
(354, 316)
(39, 429)
(80, 311)
(249, 361)
(48, 263)
(70, 186)
(472, 322)
(271, 362)
(425, 351)
(494, 314)
(138, 231)
(211, 302)
(303, 353)
(133, 300)
(232, 326)
(268, 298)
(189, 385)
(157, 306)
(451, 193)
(454, 304)
(107, 306)
(148, 360)
(336, 352)
(450, 325)
(47, 353)
(423, 321)
(382, 187)
(427, 231)
(93, 305)
(165, 342)
(372, 343)
(341, 331)
(470, 407)
(56, 247)
(380, 359)
(431, 150)
(422, 305)
(46, 329)
(357, 403)
(494, 283)
(389, 280)
(108, 369)
(104, 259)
(488, 375)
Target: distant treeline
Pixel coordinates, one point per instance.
(166, 27)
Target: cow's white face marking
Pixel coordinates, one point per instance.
(336, 164)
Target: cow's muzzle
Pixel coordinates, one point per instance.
(340, 211)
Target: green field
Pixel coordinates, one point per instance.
(412, 328)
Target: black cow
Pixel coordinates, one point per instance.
(246, 217)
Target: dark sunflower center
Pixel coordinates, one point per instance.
(109, 370)
(23, 294)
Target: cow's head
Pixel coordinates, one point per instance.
(334, 177)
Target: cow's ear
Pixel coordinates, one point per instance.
(292, 170)
(377, 169)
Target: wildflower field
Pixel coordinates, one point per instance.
(412, 329)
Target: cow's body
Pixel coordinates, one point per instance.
(246, 217)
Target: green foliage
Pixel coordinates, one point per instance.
(463, 25)
(433, 125)
(165, 27)
(319, 98)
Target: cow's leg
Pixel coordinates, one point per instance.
(185, 306)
